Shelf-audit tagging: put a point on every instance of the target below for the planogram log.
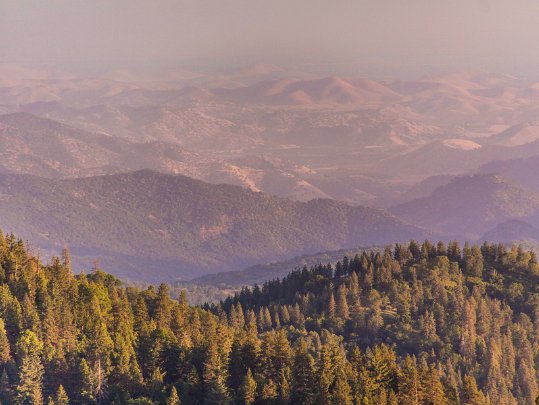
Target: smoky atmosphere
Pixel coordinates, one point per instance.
(269, 202)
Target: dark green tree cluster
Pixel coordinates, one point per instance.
(417, 324)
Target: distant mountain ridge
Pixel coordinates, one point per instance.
(445, 124)
(327, 90)
(36, 145)
(513, 230)
(523, 171)
(469, 206)
(260, 273)
(45, 147)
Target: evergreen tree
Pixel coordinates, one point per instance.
(341, 394)
(303, 374)
(86, 382)
(29, 389)
(332, 307)
(472, 396)
(66, 260)
(163, 306)
(173, 398)
(342, 304)
(5, 355)
(248, 389)
(410, 390)
(215, 389)
(6, 392)
(285, 392)
(268, 393)
(61, 396)
(434, 392)
(325, 377)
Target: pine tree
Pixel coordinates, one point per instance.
(354, 287)
(472, 395)
(276, 320)
(285, 315)
(434, 393)
(66, 261)
(5, 355)
(61, 396)
(31, 380)
(215, 389)
(332, 307)
(410, 390)
(156, 385)
(283, 353)
(194, 388)
(453, 251)
(375, 321)
(173, 398)
(284, 386)
(342, 304)
(303, 374)
(29, 389)
(248, 388)
(342, 394)
(6, 392)
(86, 382)
(268, 393)
(325, 377)
(427, 327)
(382, 364)
(260, 319)
(267, 319)
(126, 372)
(163, 307)
(30, 317)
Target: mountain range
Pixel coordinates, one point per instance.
(375, 125)
(45, 147)
(454, 155)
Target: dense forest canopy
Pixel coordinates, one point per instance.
(416, 324)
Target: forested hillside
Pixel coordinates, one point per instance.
(149, 226)
(420, 324)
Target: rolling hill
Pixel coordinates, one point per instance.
(36, 145)
(520, 134)
(48, 148)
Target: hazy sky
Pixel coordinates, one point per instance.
(395, 35)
